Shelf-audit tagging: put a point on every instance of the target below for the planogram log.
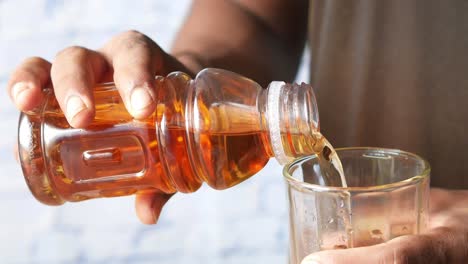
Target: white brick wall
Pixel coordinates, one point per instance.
(246, 224)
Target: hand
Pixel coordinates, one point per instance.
(446, 240)
(130, 59)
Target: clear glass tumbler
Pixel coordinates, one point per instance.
(387, 196)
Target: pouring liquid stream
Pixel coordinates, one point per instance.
(333, 175)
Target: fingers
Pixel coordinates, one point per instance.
(133, 58)
(136, 60)
(149, 205)
(27, 81)
(442, 200)
(74, 74)
(441, 245)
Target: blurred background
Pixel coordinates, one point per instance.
(245, 224)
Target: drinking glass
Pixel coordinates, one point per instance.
(387, 196)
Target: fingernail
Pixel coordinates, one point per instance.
(18, 90)
(140, 99)
(74, 106)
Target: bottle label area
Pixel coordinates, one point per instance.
(101, 159)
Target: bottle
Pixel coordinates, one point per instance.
(220, 128)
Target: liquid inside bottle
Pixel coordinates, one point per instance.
(220, 128)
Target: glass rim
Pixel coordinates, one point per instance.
(319, 188)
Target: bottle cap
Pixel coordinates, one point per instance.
(274, 121)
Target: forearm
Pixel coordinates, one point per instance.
(262, 40)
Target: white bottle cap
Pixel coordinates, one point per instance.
(274, 121)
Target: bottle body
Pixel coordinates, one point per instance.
(213, 129)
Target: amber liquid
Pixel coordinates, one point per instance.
(117, 155)
(329, 162)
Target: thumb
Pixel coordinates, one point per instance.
(441, 245)
(149, 205)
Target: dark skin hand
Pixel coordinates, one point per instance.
(225, 34)
(130, 59)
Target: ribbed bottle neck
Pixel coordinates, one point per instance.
(292, 120)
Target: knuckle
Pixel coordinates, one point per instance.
(133, 39)
(132, 33)
(400, 255)
(73, 51)
(404, 249)
(130, 44)
(424, 248)
(35, 61)
(24, 69)
(74, 55)
(31, 69)
(451, 245)
(419, 249)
